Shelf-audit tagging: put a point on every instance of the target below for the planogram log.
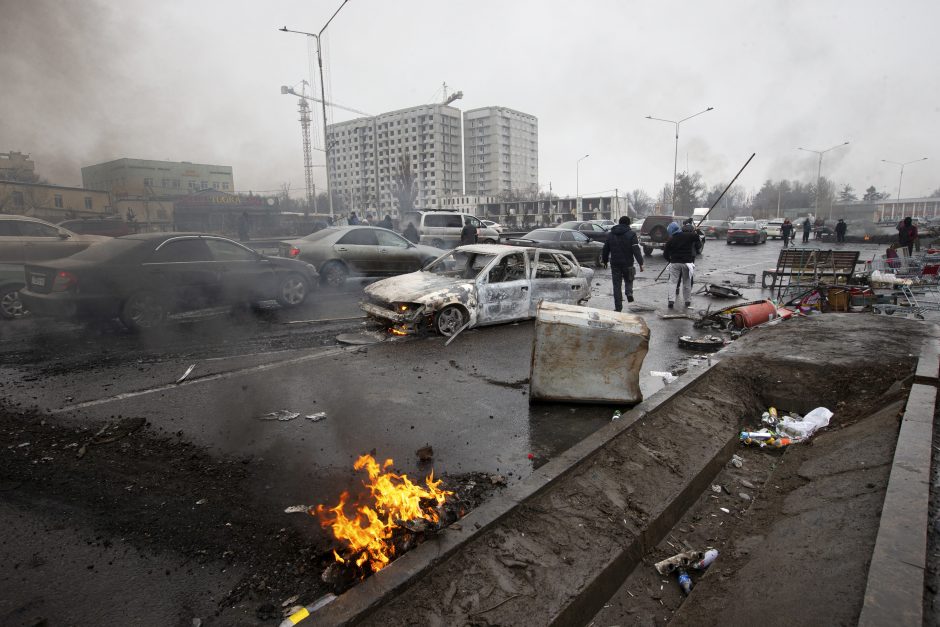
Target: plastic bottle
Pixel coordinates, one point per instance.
(707, 560)
(685, 582)
(617, 415)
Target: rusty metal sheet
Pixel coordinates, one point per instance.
(586, 355)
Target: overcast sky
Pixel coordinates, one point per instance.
(90, 81)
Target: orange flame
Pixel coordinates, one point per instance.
(395, 498)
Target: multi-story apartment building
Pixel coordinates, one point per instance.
(16, 166)
(369, 158)
(143, 178)
(501, 151)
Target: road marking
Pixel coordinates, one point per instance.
(208, 378)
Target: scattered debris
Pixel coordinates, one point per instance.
(679, 560)
(497, 480)
(744, 496)
(747, 484)
(304, 612)
(617, 415)
(317, 417)
(737, 461)
(185, 374)
(716, 489)
(707, 343)
(282, 415)
(425, 453)
(298, 509)
(290, 601)
(667, 377)
(720, 291)
(202, 501)
(725, 510)
(685, 582)
(710, 556)
(789, 429)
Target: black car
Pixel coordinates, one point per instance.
(142, 278)
(594, 231)
(573, 241)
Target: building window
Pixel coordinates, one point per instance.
(224, 185)
(88, 204)
(18, 199)
(148, 182)
(215, 185)
(58, 201)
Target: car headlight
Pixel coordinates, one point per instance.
(405, 307)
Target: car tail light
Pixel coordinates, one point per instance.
(293, 252)
(64, 281)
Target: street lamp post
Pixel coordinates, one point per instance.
(326, 141)
(675, 161)
(819, 174)
(901, 175)
(577, 187)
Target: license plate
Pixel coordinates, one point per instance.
(38, 280)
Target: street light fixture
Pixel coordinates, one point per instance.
(577, 187)
(675, 161)
(819, 174)
(326, 143)
(901, 176)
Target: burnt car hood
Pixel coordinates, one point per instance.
(414, 287)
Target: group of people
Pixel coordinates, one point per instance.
(622, 248)
(788, 234)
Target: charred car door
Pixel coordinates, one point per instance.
(182, 271)
(245, 275)
(555, 278)
(504, 291)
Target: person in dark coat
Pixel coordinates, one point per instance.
(411, 233)
(353, 218)
(620, 249)
(786, 232)
(468, 235)
(244, 226)
(680, 253)
(907, 234)
(841, 228)
(386, 223)
(807, 227)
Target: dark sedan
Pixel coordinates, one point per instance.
(575, 242)
(594, 231)
(143, 278)
(746, 233)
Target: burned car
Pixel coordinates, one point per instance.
(478, 285)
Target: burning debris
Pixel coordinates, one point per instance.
(398, 517)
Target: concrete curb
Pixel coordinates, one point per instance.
(895, 589)
(366, 597)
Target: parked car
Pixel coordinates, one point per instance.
(496, 226)
(11, 282)
(591, 228)
(478, 285)
(714, 228)
(654, 233)
(441, 229)
(637, 225)
(25, 239)
(339, 251)
(575, 242)
(746, 232)
(143, 278)
(604, 222)
(773, 229)
(109, 227)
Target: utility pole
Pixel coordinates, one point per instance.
(819, 174)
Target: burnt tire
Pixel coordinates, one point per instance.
(11, 307)
(143, 311)
(292, 290)
(449, 320)
(647, 251)
(334, 274)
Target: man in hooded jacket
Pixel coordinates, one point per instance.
(620, 249)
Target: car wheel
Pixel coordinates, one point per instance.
(598, 263)
(647, 251)
(700, 248)
(728, 242)
(10, 304)
(437, 243)
(143, 311)
(449, 320)
(334, 274)
(291, 290)
(489, 240)
(658, 234)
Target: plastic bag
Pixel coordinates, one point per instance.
(805, 428)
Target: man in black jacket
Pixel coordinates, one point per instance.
(620, 249)
(680, 253)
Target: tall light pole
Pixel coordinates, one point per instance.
(675, 161)
(326, 141)
(901, 176)
(577, 186)
(819, 174)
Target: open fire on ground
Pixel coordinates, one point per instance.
(397, 516)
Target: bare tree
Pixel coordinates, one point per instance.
(641, 202)
(404, 187)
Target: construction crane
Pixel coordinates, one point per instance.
(290, 90)
(457, 95)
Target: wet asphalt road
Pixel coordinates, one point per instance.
(468, 400)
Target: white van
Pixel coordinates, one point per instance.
(441, 229)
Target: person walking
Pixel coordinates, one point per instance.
(620, 249)
(786, 232)
(244, 227)
(468, 235)
(411, 233)
(841, 228)
(907, 235)
(807, 227)
(353, 219)
(386, 222)
(680, 253)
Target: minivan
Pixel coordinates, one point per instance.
(441, 229)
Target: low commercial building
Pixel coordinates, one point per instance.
(53, 203)
(146, 178)
(529, 213)
(16, 166)
(213, 211)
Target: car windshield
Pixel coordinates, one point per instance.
(460, 264)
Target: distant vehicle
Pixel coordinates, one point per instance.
(637, 225)
(604, 222)
(477, 285)
(496, 226)
(654, 233)
(746, 233)
(109, 227)
(340, 251)
(594, 231)
(575, 242)
(24, 239)
(773, 228)
(140, 279)
(714, 228)
(11, 282)
(700, 212)
(441, 229)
